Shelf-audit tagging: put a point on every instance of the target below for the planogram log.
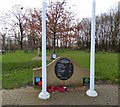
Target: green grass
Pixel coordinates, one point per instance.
(17, 67)
(106, 64)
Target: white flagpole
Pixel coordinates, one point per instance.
(91, 92)
(44, 94)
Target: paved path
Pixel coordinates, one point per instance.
(108, 95)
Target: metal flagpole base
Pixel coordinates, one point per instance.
(44, 96)
(92, 93)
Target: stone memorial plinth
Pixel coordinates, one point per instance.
(62, 71)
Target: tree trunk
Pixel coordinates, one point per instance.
(21, 32)
(54, 43)
(21, 45)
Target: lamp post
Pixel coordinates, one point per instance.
(91, 92)
(44, 94)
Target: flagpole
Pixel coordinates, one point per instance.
(91, 92)
(44, 94)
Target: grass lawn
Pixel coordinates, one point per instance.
(106, 64)
(17, 67)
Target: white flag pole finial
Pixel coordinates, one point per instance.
(91, 92)
(44, 94)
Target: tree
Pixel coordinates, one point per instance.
(84, 33)
(59, 21)
(18, 23)
(4, 29)
(34, 27)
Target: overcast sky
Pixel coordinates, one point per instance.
(80, 7)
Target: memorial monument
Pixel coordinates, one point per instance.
(62, 70)
(91, 92)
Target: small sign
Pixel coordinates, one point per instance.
(86, 81)
(54, 56)
(64, 69)
(37, 79)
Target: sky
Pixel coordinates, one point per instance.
(82, 8)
